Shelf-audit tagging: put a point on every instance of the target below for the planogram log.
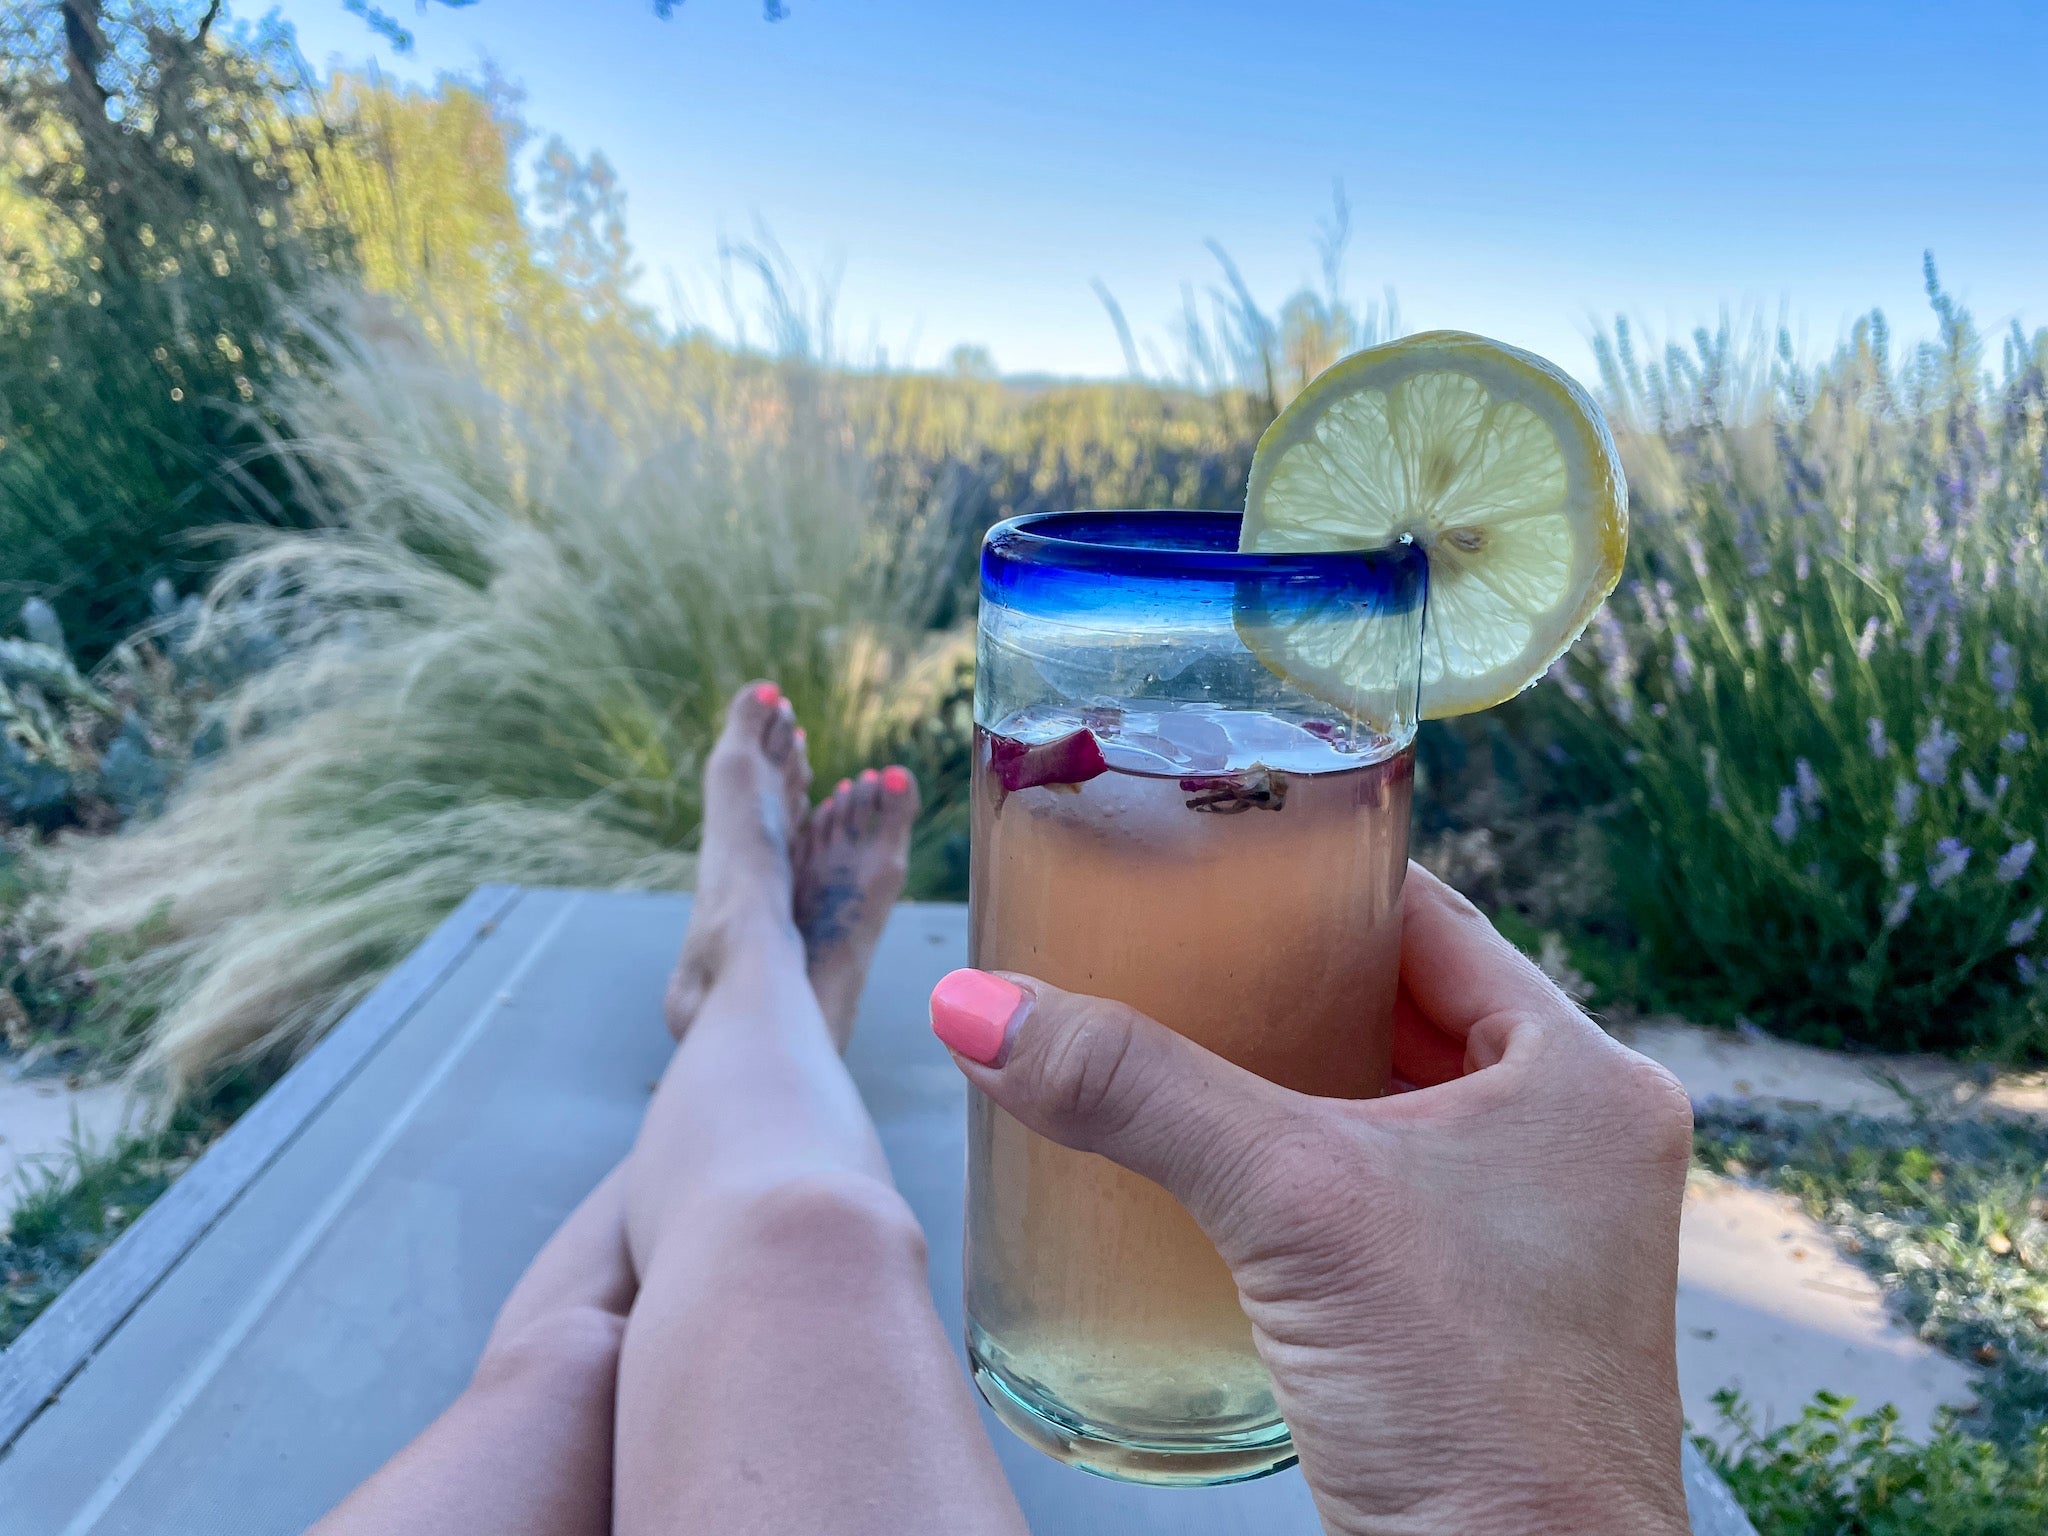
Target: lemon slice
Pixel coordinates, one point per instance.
(1495, 463)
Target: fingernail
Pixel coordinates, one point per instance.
(868, 776)
(844, 786)
(896, 780)
(767, 693)
(972, 1012)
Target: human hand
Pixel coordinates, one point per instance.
(1464, 1293)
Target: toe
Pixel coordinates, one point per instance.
(778, 734)
(866, 813)
(899, 800)
(751, 710)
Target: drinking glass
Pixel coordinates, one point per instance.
(1163, 818)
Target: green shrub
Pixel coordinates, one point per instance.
(1835, 1473)
(1815, 698)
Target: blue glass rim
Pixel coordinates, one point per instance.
(1062, 556)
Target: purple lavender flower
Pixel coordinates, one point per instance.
(1786, 822)
(1752, 626)
(1888, 857)
(1895, 911)
(1710, 767)
(1807, 782)
(1905, 802)
(1951, 654)
(1950, 859)
(2014, 741)
(1560, 673)
(2023, 929)
(1652, 610)
(1930, 758)
(1682, 666)
(2029, 972)
(2014, 862)
(1866, 642)
(1880, 744)
(1823, 680)
(1697, 554)
(2004, 679)
(1788, 646)
(1984, 801)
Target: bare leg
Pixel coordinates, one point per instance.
(783, 1369)
(527, 1447)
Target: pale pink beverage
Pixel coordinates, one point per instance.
(1256, 911)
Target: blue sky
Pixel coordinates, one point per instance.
(1522, 170)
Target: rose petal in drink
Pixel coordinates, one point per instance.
(1074, 758)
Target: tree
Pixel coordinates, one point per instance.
(148, 297)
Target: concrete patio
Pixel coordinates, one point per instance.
(317, 1287)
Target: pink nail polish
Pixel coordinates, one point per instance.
(844, 786)
(896, 780)
(767, 693)
(801, 737)
(869, 776)
(972, 1012)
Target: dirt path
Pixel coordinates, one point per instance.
(42, 1116)
(1765, 1303)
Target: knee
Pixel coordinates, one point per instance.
(570, 1347)
(829, 1219)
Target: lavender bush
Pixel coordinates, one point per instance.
(1817, 698)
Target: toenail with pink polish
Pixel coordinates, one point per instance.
(767, 693)
(844, 786)
(972, 1012)
(896, 780)
(869, 776)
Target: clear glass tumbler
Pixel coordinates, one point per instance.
(1162, 818)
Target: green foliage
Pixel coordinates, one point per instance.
(1833, 1472)
(92, 750)
(1811, 698)
(1950, 1213)
(146, 293)
(70, 1214)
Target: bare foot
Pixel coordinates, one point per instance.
(849, 869)
(756, 786)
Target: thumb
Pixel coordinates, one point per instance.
(1097, 1076)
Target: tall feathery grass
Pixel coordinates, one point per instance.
(1817, 697)
(508, 646)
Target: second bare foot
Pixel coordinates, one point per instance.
(850, 866)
